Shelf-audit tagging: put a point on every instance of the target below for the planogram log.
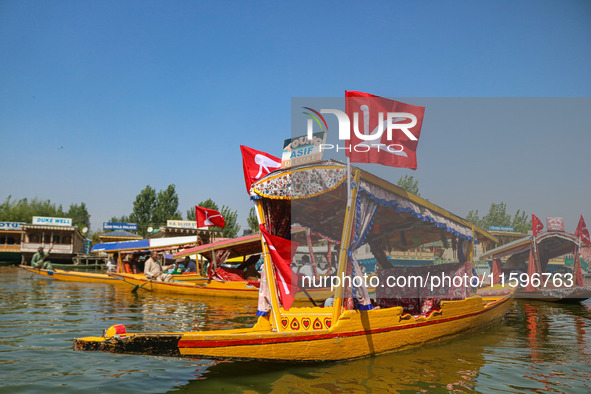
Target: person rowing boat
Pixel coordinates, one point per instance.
(154, 269)
(39, 261)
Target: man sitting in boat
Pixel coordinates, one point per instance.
(306, 268)
(134, 263)
(190, 266)
(249, 268)
(111, 265)
(39, 259)
(155, 271)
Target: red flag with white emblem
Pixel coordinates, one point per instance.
(398, 123)
(257, 164)
(209, 217)
(582, 232)
(536, 225)
(281, 251)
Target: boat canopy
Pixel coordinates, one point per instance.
(237, 247)
(410, 222)
(141, 244)
(241, 246)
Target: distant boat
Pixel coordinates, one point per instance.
(530, 255)
(117, 248)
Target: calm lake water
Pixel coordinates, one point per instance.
(538, 347)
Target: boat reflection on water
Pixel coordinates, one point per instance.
(557, 341)
(540, 345)
(451, 365)
(548, 347)
(156, 312)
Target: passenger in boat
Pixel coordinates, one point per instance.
(190, 265)
(306, 268)
(111, 266)
(322, 267)
(250, 265)
(39, 259)
(134, 264)
(154, 269)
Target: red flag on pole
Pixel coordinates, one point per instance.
(257, 164)
(209, 217)
(281, 251)
(496, 271)
(582, 232)
(577, 269)
(536, 225)
(399, 125)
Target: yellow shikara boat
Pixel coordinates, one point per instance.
(373, 214)
(97, 277)
(73, 276)
(118, 248)
(198, 286)
(236, 250)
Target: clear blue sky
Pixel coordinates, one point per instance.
(99, 99)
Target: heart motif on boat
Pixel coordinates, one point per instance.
(317, 324)
(295, 324)
(284, 322)
(306, 322)
(328, 322)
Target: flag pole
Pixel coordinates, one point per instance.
(348, 182)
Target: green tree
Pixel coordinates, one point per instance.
(23, 210)
(521, 222)
(232, 227)
(209, 204)
(474, 218)
(166, 206)
(252, 220)
(498, 216)
(409, 184)
(191, 214)
(143, 206)
(120, 219)
(79, 215)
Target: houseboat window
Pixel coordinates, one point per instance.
(2, 240)
(10, 241)
(47, 238)
(34, 238)
(66, 239)
(56, 239)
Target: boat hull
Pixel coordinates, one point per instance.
(73, 276)
(94, 277)
(572, 295)
(200, 288)
(356, 334)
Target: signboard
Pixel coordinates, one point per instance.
(52, 221)
(182, 224)
(501, 228)
(119, 226)
(301, 150)
(555, 224)
(10, 226)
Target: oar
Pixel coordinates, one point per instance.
(137, 287)
(308, 295)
